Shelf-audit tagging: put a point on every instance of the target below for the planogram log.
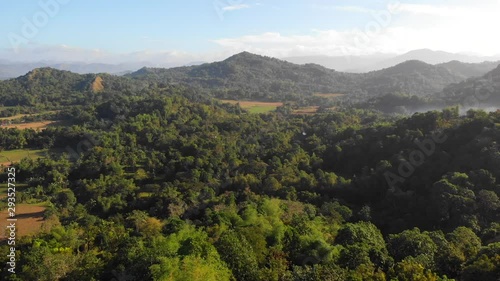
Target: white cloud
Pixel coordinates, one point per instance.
(355, 9)
(235, 7)
(441, 11)
(460, 28)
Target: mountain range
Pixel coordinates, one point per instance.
(247, 75)
(254, 77)
(356, 64)
(13, 69)
(360, 64)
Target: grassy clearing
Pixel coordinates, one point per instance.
(329, 96)
(32, 125)
(19, 116)
(261, 109)
(255, 106)
(6, 157)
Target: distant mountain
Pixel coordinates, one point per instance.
(12, 69)
(51, 86)
(411, 77)
(435, 57)
(195, 63)
(250, 76)
(432, 57)
(481, 92)
(361, 64)
(355, 64)
(469, 70)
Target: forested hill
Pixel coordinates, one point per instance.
(242, 76)
(249, 76)
(468, 70)
(51, 87)
(246, 75)
(410, 77)
(475, 92)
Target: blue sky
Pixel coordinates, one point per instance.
(113, 30)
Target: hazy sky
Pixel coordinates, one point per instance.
(206, 30)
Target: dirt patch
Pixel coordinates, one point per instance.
(29, 220)
(97, 85)
(33, 125)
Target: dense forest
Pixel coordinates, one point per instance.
(149, 179)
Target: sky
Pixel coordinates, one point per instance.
(184, 31)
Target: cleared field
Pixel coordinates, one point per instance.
(19, 116)
(306, 110)
(16, 155)
(33, 125)
(255, 106)
(29, 220)
(330, 96)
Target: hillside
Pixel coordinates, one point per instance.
(58, 87)
(475, 92)
(247, 75)
(469, 70)
(410, 77)
(244, 76)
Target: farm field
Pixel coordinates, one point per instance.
(6, 157)
(255, 106)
